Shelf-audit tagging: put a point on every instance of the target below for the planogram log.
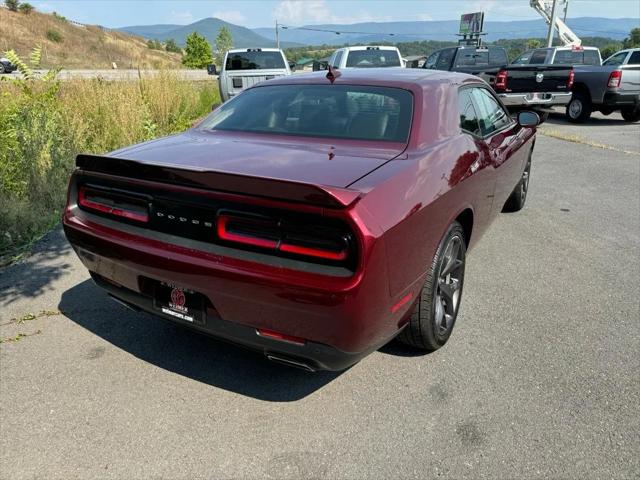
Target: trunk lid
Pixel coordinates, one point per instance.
(329, 162)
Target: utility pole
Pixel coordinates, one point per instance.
(552, 24)
(566, 7)
(277, 36)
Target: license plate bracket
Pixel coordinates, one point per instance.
(179, 303)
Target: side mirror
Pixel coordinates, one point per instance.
(214, 106)
(292, 66)
(211, 69)
(528, 119)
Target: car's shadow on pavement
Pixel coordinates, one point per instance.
(35, 275)
(185, 352)
(556, 118)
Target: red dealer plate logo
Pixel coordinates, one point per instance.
(177, 297)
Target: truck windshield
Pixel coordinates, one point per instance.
(254, 60)
(332, 111)
(373, 58)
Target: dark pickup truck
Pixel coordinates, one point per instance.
(530, 87)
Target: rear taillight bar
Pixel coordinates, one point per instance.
(501, 80)
(614, 79)
(572, 76)
(255, 238)
(85, 200)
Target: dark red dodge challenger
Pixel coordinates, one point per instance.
(312, 217)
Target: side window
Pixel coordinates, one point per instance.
(617, 59)
(431, 61)
(498, 56)
(468, 117)
(524, 58)
(445, 59)
(491, 116)
(337, 60)
(538, 57)
(634, 59)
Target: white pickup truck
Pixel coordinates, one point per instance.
(244, 67)
(366, 57)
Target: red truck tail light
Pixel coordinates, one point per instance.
(572, 76)
(501, 80)
(614, 79)
(112, 203)
(287, 237)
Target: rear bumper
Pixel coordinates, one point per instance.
(619, 99)
(311, 356)
(534, 99)
(341, 319)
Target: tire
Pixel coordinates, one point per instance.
(631, 114)
(435, 313)
(1, 68)
(518, 197)
(579, 108)
(544, 116)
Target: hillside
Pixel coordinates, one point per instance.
(208, 27)
(616, 28)
(71, 46)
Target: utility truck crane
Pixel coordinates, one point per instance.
(548, 10)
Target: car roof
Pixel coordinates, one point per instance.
(407, 78)
(372, 47)
(236, 50)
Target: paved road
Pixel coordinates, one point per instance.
(610, 131)
(539, 380)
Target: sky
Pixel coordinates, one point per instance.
(264, 13)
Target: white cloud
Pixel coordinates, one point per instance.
(298, 12)
(45, 7)
(231, 16)
(181, 18)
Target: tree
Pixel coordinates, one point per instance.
(633, 40)
(12, 5)
(609, 50)
(224, 43)
(533, 44)
(26, 8)
(197, 53)
(171, 46)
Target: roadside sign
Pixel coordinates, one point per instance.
(471, 23)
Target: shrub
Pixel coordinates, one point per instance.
(171, 46)
(12, 5)
(44, 124)
(26, 8)
(154, 44)
(54, 36)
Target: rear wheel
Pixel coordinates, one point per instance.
(1, 68)
(579, 108)
(436, 311)
(631, 114)
(518, 197)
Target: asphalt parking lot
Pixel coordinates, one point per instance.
(540, 379)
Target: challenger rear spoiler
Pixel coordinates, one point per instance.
(325, 196)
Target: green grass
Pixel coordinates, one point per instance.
(44, 125)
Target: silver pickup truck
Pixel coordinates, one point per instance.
(608, 88)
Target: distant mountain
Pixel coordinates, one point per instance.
(208, 27)
(616, 28)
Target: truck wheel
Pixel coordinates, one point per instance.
(1, 69)
(631, 114)
(436, 310)
(579, 108)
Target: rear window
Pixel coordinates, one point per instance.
(471, 58)
(373, 58)
(577, 57)
(254, 60)
(333, 111)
